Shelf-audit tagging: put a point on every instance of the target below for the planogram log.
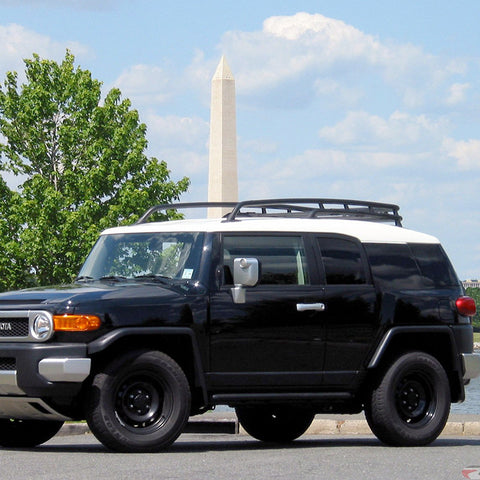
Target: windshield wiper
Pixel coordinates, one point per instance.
(84, 278)
(113, 278)
(154, 277)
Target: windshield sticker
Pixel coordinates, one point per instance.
(187, 273)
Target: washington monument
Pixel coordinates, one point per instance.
(223, 175)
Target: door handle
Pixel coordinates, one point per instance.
(304, 307)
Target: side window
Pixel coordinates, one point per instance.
(434, 264)
(393, 266)
(282, 258)
(342, 261)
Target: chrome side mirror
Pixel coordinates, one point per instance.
(245, 274)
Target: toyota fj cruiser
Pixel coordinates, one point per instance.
(282, 309)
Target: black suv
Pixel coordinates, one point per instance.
(282, 309)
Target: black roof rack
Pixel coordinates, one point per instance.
(296, 208)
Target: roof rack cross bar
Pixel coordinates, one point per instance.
(372, 210)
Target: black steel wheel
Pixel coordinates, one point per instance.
(275, 423)
(139, 403)
(411, 403)
(27, 433)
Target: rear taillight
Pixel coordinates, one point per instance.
(466, 306)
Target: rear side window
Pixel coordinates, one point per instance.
(282, 258)
(393, 266)
(342, 261)
(411, 266)
(434, 265)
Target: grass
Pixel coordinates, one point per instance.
(476, 337)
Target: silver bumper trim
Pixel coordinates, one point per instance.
(8, 383)
(65, 369)
(28, 408)
(471, 363)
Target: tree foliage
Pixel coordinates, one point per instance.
(475, 294)
(83, 168)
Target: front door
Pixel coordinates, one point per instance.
(275, 338)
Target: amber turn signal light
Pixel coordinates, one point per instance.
(76, 323)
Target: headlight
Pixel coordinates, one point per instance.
(42, 327)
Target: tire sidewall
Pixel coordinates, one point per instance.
(388, 420)
(288, 423)
(107, 425)
(27, 433)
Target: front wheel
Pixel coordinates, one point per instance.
(139, 403)
(27, 433)
(276, 423)
(411, 403)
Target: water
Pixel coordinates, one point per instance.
(471, 405)
(472, 399)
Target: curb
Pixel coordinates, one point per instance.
(228, 424)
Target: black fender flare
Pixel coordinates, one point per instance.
(453, 358)
(413, 330)
(105, 341)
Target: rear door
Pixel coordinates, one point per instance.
(350, 308)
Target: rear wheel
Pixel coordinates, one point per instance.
(277, 423)
(27, 433)
(410, 405)
(139, 403)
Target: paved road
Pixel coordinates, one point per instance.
(231, 457)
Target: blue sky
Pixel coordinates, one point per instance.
(376, 100)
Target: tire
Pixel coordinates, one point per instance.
(279, 424)
(139, 403)
(27, 433)
(411, 404)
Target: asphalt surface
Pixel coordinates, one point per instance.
(231, 457)
(226, 423)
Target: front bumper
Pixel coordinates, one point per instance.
(471, 365)
(33, 377)
(41, 370)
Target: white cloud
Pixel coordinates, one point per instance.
(338, 94)
(457, 93)
(19, 43)
(177, 131)
(182, 142)
(466, 153)
(146, 84)
(411, 132)
(294, 59)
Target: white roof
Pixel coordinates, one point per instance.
(365, 231)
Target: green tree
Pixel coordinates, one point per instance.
(83, 168)
(475, 294)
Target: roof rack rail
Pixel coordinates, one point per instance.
(175, 206)
(297, 208)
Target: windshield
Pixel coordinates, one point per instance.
(144, 255)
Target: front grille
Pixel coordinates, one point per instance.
(7, 364)
(13, 327)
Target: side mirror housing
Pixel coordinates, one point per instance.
(245, 274)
